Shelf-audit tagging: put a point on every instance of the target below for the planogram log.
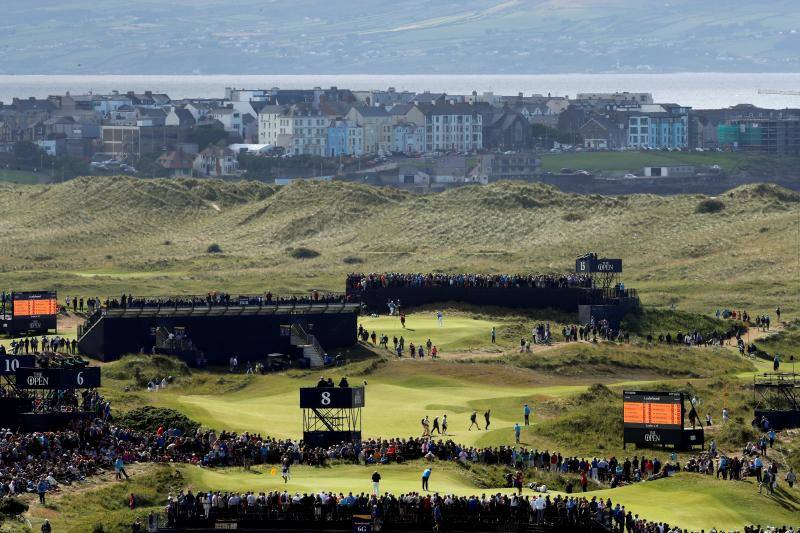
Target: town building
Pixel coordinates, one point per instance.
(377, 124)
(658, 126)
(408, 138)
(177, 162)
(216, 161)
(452, 127)
(766, 136)
(672, 171)
(345, 138)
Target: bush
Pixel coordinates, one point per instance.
(352, 260)
(213, 249)
(304, 253)
(12, 506)
(98, 528)
(149, 418)
(711, 205)
(573, 217)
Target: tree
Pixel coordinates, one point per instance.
(205, 136)
(28, 153)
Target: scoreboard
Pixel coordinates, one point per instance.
(653, 409)
(34, 307)
(30, 311)
(654, 418)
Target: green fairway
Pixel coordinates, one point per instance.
(701, 502)
(394, 406)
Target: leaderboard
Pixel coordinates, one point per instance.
(35, 307)
(652, 409)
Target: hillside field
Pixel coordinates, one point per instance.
(103, 236)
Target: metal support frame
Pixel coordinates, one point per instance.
(777, 391)
(339, 419)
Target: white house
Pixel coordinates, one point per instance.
(216, 161)
(230, 118)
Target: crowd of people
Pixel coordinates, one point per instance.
(40, 345)
(42, 462)
(430, 511)
(399, 346)
(222, 299)
(365, 282)
(698, 338)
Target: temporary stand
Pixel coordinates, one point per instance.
(777, 397)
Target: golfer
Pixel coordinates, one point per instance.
(376, 480)
(473, 419)
(426, 475)
(527, 412)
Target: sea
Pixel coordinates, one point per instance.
(698, 90)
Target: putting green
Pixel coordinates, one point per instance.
(688, 500)
(396, 479)
(457, 332)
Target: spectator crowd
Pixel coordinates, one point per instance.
(366, 282)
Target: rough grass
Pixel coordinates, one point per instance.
(786, 343)
(650, 321)
(111, 232)
(105, 501)
(576, 359)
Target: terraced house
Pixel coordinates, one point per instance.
(452, 127)
(299, 129)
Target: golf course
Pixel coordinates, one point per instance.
(688, 256)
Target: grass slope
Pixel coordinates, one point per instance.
(117, 232)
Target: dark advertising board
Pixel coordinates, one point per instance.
(653, 418)
(10, 364)
(331, 397)
(595, 265)
(58, 378)
(31, 311)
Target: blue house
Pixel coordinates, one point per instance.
(345, 138)
(659, 126)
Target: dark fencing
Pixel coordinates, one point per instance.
(249, 337)
(563, 299)
(392, 519)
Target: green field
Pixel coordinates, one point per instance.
(21, 177)
(634, 162)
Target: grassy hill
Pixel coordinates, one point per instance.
(106, 235)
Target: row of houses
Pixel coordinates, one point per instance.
(336, 122)
(415, 128)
